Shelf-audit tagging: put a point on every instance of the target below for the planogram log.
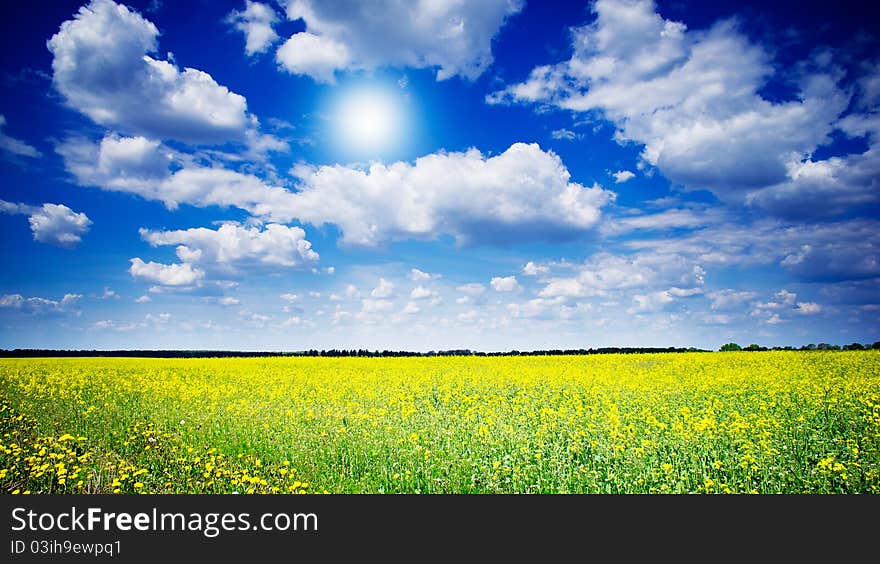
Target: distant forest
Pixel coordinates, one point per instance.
(29, 353)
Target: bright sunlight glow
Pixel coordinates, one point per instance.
(368, 121)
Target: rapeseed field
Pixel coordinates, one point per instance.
(767, 422)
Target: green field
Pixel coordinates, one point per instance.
(767, 422)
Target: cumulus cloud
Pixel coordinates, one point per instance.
(807, 308)
(622, 176)
(256, 22)
(376, 306)
(384, 289)
(523, 194)
(606, 272)
(655, 301)
(38, 305)
(53, 224)
(453, 37)
(823, 188)
(165, 274)
(692, 99)
(102, 66)
(472, 289)
(109, 293)
(504, 284)
(813, 252)
(143, 167)
(773, 319)
(783, 299)
(14, 146)
(537, 308)
(233, 244)
(410, 309)
(292, 321)
(312, 55)
(532, 269)
(422, 293)
(351, 291)
(729, 299)
(417, 275)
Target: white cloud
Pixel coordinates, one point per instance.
(523, 194)
(536, 308)
(676, 218)
(233, 244)
(565, 134)
(58, 225)
(422, 293)
(826, 252)
(824, 187)
(869, 85)
(376, 306)
(11, 301)
(351, 291)
(532, 269)
(410, 308)
(729, 299)
(504, 284)
(165, 274)
(807, 308)
(568, 287)
(454, 37)
(417, 275)
(38, 305)
(604, 272)
(684, 292)
(622, 176)
(290, 298)
(785, 297)
(140, 166)
(143, 299)
(258, 320)
(312, 55)
(256, 22)
(14, 146)
(53, 224)
(472, 289)
(784, 300)
(690, 98)
(159, 319)
(773, 319)
(102, 67)
(649, 302)
(228, 301)
(384, 289)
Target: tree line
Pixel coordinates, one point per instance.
(809, 347)
(31, 353)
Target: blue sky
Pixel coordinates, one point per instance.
(431, 175)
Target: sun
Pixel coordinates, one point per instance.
(369, 121)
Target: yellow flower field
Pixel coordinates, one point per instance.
(769, 422)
